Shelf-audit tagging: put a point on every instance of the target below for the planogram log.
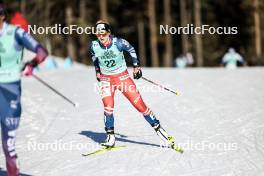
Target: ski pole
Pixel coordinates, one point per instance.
(165, 88)
(54, 90)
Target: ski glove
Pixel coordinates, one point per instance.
(137, 72)
(42, 54)
(28, 67)
(98, 76)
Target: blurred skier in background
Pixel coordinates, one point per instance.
(232, 59)
(19, 20)
(111, 72)
(12, 41)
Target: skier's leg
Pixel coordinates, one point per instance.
(133, 95)
(107, 94)
(10, 116)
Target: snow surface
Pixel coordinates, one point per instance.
(218, 119)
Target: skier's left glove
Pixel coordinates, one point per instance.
(42, 54)
(27, 70)
(137, 73)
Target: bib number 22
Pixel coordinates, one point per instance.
(110, 63)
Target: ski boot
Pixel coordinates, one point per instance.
(110, 139)
(168, 139)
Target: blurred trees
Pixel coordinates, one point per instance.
(141, 43)
(139, 22)
(70, 38)
(257, 27)
(198, 38)
(103, 9)
(153, 33)
(184, 22)
(83, 39)
(167, 61)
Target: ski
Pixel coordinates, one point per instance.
(177, 149)
(104, 150)
(174, 146)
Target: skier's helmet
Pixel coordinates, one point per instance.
(102, 27)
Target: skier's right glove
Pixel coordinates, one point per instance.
(98, 75)
(137, 72)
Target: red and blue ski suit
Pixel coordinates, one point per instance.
(110, 62)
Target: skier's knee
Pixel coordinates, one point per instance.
(146, 111)
(108, 110)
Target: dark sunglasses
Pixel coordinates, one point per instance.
(103, 35)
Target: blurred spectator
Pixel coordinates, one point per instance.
(184, 60)
(68, 62)
(232, 59)
(50, 63)
(19, 20)
(189, 58)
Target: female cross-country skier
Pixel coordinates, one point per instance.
(12, 42)
(111, 72)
